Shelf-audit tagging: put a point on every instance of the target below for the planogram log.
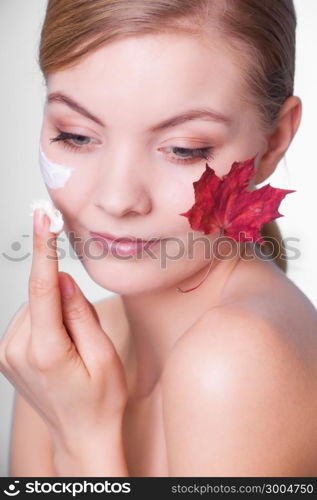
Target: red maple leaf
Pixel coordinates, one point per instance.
(225, 204)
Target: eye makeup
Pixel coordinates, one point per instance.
(55, 175)
(192, 155)
(66, 139)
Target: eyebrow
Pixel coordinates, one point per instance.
(201, 113)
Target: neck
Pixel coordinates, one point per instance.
(158, 319)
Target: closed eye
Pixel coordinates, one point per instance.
(66, 139)
(183, 156)
(191, 154)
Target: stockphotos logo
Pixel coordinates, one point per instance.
(12, 490)
(72, 488)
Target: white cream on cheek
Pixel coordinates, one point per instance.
(55, 175)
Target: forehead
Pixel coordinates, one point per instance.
(151, 74)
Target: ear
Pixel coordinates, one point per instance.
(279, 141)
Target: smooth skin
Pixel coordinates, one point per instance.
(216, 375)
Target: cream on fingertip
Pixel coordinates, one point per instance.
(53, 213)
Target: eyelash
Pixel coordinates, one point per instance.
(199, 153)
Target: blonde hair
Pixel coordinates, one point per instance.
(261, 34)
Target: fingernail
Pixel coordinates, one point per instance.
(39, 221)
(67, 286)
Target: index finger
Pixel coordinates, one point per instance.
(44, 292)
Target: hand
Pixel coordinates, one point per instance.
(57, 355)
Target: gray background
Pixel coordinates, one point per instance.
(22, 99)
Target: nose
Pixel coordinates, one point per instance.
(121, 189)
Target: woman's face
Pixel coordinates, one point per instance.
(132, 174)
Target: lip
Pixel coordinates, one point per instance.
(127, 239)
(124, 245)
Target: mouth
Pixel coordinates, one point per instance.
(123, 239)
(124, 245)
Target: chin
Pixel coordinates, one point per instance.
(127, 278)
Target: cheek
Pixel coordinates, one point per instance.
(179, 189)
(55, 175)
(76, 193)
(175, 196)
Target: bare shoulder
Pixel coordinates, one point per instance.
(260, 309)
(245, 381)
